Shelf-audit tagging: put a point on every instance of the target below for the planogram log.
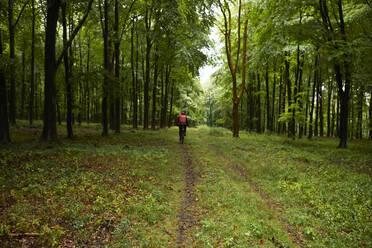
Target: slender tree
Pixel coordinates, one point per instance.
(4, 124)
(225, 9)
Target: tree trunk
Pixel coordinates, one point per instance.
(12, 97)
(50, 67)
(106, 69)
(313, 97)
(370, 115)
(165, 99)
(67, 76)
(273, 100)
(258, 111)
(170, 118)
(300, 100)
(360, 113)
(117, 69)
(268, 117)
(291, 124)
(32, 76)
(134, 81)
(321, 115)
(344, 88)
(317, 104)
(307, 103)
(147, 76)
(4, 124)
(338, 117)
(88, 90)
(23, 92)
(333, 115)
(280, 106)
(329, 107)
(153, 116)
(251, 102)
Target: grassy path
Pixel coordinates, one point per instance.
(144, 189)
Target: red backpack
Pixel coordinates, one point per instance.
(182, 119)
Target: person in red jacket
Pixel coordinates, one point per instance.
(182, 122)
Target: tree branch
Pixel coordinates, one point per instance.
(20, 14)
(74, 33)
(126, 19)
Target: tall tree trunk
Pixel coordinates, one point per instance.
(32, 76)
(12, 96)
(170, 116)
(338, 117)
(310, 134)
(317, 104)
(307, 103)
(50, 67)
(360, 113)
(258, 110)
(87, 84)
(280, 106)
(147, 76)
(165, 99)
(233, 66)
(67, 75)
(4, 124)
(268, 117)
(153, 116)
(333, 115)
(117, 69)
(273, 100)
(291, 124)
(343, 85)
(23, 92)
(251, 102)
(299, 100)
(321, 114)
(370, 115)
(330, 88)
(138, 83)
(106, 69)
(134, 81)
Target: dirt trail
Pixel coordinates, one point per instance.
(188, 213)
(295, 236)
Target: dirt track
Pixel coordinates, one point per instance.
(188, 214)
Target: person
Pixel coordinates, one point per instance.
(182, 123)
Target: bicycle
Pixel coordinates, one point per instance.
(182, 134)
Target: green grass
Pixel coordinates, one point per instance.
(325, 192)
(126, 190)
(117, 191)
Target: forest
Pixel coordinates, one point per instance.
(278, 151)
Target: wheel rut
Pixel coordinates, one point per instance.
(293, 233)
(188, 215)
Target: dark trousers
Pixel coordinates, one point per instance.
(182, 128)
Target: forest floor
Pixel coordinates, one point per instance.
(144, 189)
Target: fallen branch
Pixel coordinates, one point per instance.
(16, 235)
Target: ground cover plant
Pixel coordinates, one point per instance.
(144, 189)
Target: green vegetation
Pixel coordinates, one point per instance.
(126, 190)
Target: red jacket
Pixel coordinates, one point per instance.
(182, 120)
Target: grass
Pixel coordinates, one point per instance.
(126, 190)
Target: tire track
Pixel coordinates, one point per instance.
(188, 213)
(293, 233)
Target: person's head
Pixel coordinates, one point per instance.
(183, 112)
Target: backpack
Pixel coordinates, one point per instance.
(182, 119)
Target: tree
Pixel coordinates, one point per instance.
(4, 124)
(225, 9)
(51, 64)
